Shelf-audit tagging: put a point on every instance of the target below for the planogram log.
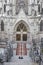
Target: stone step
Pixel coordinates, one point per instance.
(20, 63)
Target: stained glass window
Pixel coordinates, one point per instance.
(18, 37)
(41, 25)
(24, 37)
(2, 25)
(21, 27)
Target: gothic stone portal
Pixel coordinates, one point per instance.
(21, 32)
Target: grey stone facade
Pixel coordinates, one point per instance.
(34, 10)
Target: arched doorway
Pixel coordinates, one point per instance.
(21, 32)
(21, 35)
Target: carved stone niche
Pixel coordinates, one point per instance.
(21, 4)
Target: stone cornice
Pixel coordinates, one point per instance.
(14, 17)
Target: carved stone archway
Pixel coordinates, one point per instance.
(21, 32)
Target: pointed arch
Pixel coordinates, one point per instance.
(21, 31)
(2, 25)
(24, 23)
(22, 27)
(41, 25)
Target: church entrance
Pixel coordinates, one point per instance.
(21, 32)
(21, 37)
